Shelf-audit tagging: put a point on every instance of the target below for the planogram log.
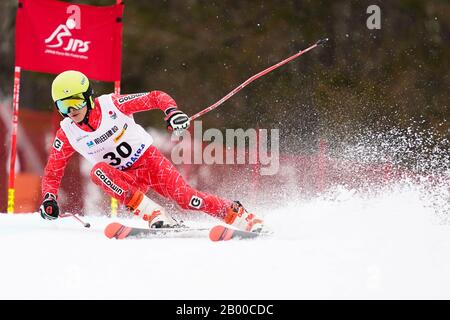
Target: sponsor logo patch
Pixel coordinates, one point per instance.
(130, 97)
(57, 144)
(96, 151)
(106, 181)
(125, 126)
(196, 202)
(108, 134)
(112, 114)
(81, 138)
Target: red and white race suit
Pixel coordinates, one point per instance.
(123, 157)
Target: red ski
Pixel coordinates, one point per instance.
(222, 233)
(218, 233)
(119, 231)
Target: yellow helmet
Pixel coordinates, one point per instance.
(71, 89)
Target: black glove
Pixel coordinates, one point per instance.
(177, 121)
(49, 208)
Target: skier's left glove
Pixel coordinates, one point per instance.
(177, 121)
(49, 208)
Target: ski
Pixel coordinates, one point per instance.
(222, 233)
(119, 231)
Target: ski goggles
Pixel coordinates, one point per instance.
(76, 102)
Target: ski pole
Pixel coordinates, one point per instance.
(67, 214)
(256, 76)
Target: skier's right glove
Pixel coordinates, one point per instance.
(177, 121)
(49, 208)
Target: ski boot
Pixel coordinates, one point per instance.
(150, 211)
(241, 219)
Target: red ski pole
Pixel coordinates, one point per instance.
(67, 214)
(256, 76)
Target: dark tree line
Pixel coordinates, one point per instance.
(199, 50)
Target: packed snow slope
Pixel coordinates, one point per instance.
(346, 245)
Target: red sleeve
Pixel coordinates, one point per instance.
(132, 103)
(59, 157)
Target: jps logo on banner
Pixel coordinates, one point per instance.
(63, 38)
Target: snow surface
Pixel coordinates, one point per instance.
(387, 246)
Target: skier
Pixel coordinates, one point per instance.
(125, 163)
